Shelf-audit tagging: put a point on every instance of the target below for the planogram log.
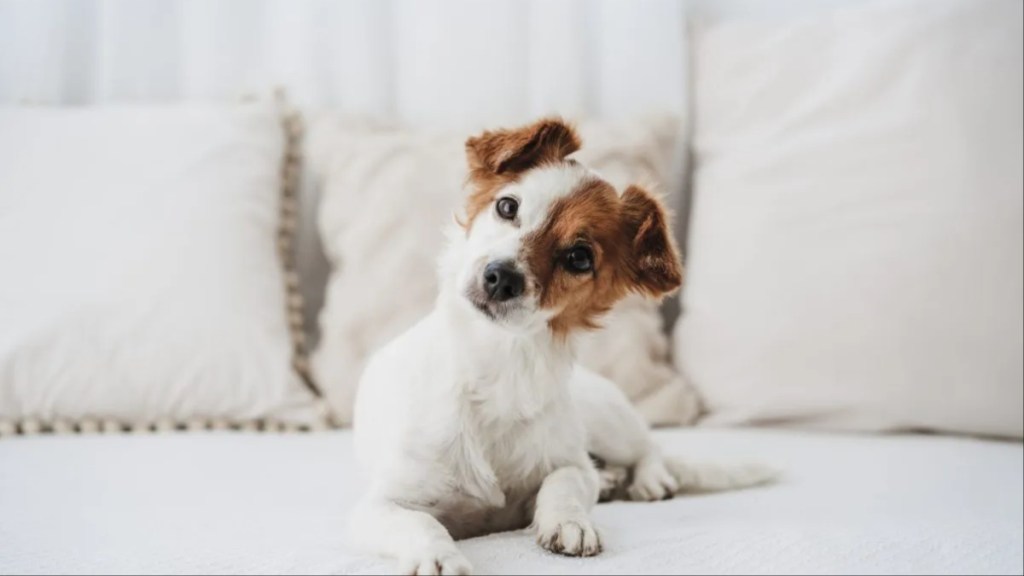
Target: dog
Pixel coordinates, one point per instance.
(477, 420)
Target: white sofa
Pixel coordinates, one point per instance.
(248, 503)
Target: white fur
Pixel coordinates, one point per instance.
(467, 425)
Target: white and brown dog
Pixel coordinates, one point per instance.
(477, 420)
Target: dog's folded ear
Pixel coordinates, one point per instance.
(653, 260)
(509, 152)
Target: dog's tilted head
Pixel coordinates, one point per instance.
(548, 243)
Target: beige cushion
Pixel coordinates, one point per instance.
(142, 284)
(855, 249)
(386, 195)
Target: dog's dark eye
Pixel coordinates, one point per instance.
(579, 259)
(507, 208)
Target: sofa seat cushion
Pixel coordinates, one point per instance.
(249, 503)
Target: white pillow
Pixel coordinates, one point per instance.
(386, 195)
(855, 250)
(141, 280)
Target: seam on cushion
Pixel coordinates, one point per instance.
(89, 426)
(291, 167)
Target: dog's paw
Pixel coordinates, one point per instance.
(652, 480)
(441, 563)
(570, 538)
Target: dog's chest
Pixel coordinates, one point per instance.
(515, 425)
(523, 455)
(517, 459)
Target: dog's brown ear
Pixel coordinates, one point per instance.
(653, 260)
(502, 152)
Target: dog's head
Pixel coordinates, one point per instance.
(548, 243)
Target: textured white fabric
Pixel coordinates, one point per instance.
(141, 281)
(386, 196)
(855, 249)
(425, 63)
(238, 503)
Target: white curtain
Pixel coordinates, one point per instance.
(423, 62)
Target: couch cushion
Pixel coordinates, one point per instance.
(141, 278)
(856, 250)
(247, 503)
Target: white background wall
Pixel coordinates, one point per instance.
(424, 62)
(434, 62)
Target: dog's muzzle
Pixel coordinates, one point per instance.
(499, 290)
(502, 281)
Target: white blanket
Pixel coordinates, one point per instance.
(233, 502)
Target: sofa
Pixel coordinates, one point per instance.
(256, 503)
(190, 290)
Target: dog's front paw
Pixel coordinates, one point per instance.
(570, 538)
(438, 563)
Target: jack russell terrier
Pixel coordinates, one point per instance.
(477, 420)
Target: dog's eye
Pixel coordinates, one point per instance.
(507, 208)
(579, 259)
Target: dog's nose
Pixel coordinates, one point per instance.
(502, 281)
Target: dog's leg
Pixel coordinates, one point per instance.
(618, 436)
(416, 539)
(562, 514)
(616, 433)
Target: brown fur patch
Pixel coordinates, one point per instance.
(632, 249)
(654, 266)
(497, 158)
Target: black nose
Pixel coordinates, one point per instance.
(502, 281)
